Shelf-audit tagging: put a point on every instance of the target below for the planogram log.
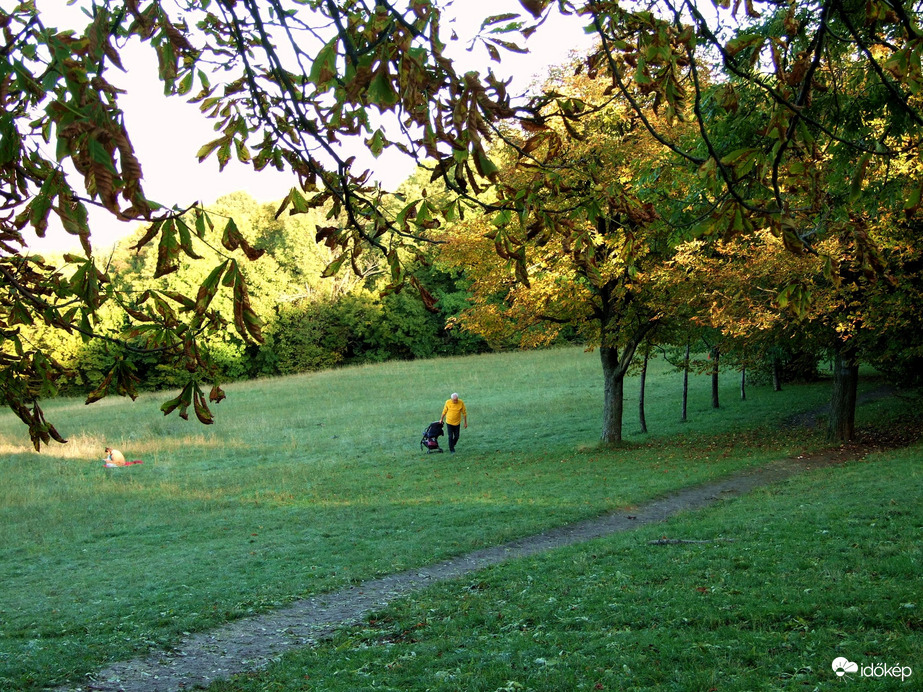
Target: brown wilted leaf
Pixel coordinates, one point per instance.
(535, 7)
(233, 239)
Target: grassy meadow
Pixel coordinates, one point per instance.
(783, 582)
(308, 483)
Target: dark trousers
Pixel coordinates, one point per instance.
(453, 435)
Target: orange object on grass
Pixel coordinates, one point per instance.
(115, 458)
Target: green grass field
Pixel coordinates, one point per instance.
(306, 484)
(791, 578)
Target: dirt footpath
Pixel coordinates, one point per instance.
(251, 643)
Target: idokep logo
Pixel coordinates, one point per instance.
(842, 666)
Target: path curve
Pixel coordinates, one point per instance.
(251, 643)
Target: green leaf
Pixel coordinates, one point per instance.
(224, 154)
(323, 70)
(640, 75)
(185, 239)
(381, 92)
(185, 301)
(167, 250)
(334, 267)
(230, 277)
(411, 208)
(243, 153)
(783, 296)
(299, 204)
(736, 155)
(99, 154)
(209, 287)
(502, 218)
(10, 140)
(203, 222)
(181, 402)
(376, 143)
(185, 84)
(207, 149)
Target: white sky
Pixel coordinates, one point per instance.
(168, 132)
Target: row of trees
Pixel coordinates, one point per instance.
(754, 169)
(311, 323)
(604, 231)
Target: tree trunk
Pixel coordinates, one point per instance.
(715, 354)
(685, 382)
(841, 426)
(613, 395)
(743, 383)
(776, 375)
(641, 416)
(615, 365)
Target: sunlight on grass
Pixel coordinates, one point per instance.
(79, 446)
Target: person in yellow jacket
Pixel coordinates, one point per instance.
(453, 413)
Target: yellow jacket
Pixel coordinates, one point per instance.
(453, 411)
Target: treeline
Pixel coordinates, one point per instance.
(309, 322)
(312, 322)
